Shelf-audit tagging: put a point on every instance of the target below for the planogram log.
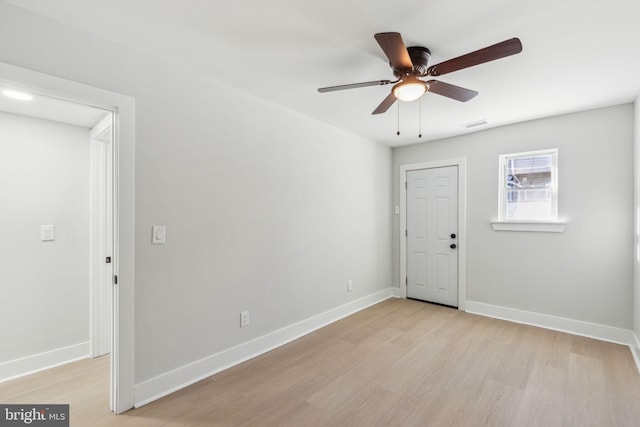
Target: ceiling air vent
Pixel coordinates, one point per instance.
(474, 124)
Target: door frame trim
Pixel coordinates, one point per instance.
(461, 163)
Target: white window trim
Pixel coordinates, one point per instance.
(540, 226)
(550, 226)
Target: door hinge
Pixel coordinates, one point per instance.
(406, 280)
(115, 280)
(405, 185)
(108, 260)
(406, 233)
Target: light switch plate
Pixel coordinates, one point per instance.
(47, 233)
(158, 234)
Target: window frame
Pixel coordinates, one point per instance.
(507, 224)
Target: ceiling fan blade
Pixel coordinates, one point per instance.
(354, 85)
(394, 48)
(450, 91)
(491, 53)
(384, 105)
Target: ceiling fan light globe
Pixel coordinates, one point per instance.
(409, 90)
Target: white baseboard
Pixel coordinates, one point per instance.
(184, 376)
(635, 350)
(39, 362)
(562, 324)
(395, 292)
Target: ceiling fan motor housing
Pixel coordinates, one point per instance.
(420, 57)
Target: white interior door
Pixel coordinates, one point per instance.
(432, 231)
(101, 238)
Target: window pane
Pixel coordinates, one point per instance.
(528, 187)
(529, 204)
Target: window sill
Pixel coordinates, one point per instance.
(536, 226)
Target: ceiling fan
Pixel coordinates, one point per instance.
(409, 64)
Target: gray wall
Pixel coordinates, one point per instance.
(266, 209)
(44, 286)
(584, 273)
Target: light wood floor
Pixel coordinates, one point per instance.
(398, 363)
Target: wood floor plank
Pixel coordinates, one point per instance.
(543, 402)
(398, 363)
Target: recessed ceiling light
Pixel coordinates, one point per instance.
(14, 94)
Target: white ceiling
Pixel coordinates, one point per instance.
(57, 110)
(577, 54)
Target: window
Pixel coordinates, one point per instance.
(529, 186)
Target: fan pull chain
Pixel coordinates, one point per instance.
(398, 132)
(420, 120)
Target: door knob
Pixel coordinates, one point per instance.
(453, 246)
(453, 235)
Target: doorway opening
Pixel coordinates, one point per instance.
(123, 172)
(58, 181)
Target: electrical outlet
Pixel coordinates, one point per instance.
(349, 285)
(244, 319)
